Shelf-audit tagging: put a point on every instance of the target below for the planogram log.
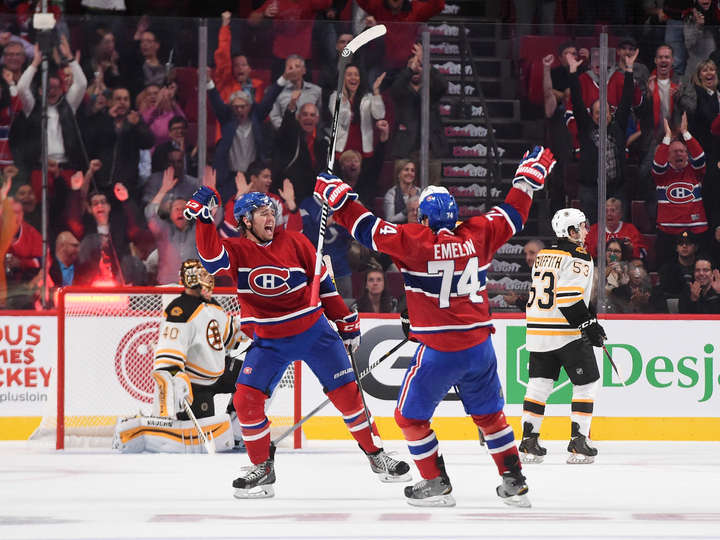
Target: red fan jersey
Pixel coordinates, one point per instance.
(679, 191)
(444, 272)
(273, 280)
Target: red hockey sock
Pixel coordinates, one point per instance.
(348, 401)
(499, 437)
(422, 443)
(250, 408)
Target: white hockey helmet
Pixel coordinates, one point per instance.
(566, 218)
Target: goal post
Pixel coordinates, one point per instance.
(106, 343)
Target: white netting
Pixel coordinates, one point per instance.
(109, 345)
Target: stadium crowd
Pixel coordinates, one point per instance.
(123, 135)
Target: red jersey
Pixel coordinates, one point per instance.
(444, 272)
(624, 230)
(273, 280)
(679, 191)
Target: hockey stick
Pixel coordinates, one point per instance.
(345, 58)
(615, 369)
(208, 443)
(324, 404)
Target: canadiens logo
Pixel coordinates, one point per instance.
(269, 280)
(214, 338)
(247, 370)
(680, 192)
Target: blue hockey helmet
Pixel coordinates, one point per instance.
(248, 203)
(439, 206)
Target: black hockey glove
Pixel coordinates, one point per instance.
(593, 333)
(405, 322)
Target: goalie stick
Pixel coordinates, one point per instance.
(317, 409)
(345, 58)
(208, 443)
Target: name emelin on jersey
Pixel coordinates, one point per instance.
(548, 261)
(454, 250)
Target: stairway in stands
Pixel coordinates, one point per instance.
(467, 172)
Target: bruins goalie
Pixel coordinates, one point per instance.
(193, 362)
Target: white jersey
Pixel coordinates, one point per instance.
(561, 276)
(195, 337)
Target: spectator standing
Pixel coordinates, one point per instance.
(160, 109)
(406, 94)
(177, 132)
(26, 197)
(363, 174)
(243, 138)
(589, 138)
(143, 67)
(102, 66)
(13, 60)
(233, 71)
(291, 81)
(703, 294)
(678, 182)
(396, 198)
(699, 28)
(358, 111)
(184, 186)
(674, 11)
(116, 137)
(300, 147)
(677, 274)
(615, 227)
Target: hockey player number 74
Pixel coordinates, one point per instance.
(468, 283)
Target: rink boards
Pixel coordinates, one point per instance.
(667, 388)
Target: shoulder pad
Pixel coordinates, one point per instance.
(182, 308)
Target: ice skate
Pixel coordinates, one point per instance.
(513, 490)
(529, 448)
(433, 492)
(581, 452)
(258, 480)
(389, 469)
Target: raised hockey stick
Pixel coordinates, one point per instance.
(208, 443)
(325, 403)
(345, 58)
(615, 369)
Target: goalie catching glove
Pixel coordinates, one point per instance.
(349, 330)
(535, 167)
(593, 333)
(201, 204)
(333, 191)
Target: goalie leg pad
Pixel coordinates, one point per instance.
(348, 401)
(422, 443)
(499, 437)
(249, 405)
(164, 402)
(167, 435)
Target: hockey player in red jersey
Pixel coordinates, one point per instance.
(444, 267)
(273, 270)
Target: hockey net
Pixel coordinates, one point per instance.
(106, 345)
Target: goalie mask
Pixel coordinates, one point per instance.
(566, 218)
(193, 274)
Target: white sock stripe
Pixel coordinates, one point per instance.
(502, 448)
(422, 441)
(499, 434)
(256, 437)
(425, 454)
(359, 427)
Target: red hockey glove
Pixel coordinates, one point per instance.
(535, 167)
(349, 330)
(333, 191)
(201, 204)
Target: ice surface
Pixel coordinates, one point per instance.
(634, 490)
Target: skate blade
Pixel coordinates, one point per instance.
(438, 500)
(520, 501)
(530, 458)
(580, 459)
(258, 492)
(390, 479)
